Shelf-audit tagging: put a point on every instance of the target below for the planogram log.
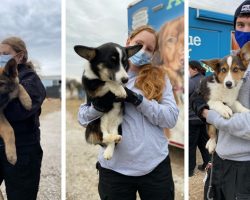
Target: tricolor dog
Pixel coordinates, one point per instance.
(103, 79)
(222, 88)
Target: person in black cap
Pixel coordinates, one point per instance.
(230, 177)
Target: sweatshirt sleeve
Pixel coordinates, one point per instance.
(163, 114)
(238, 125)
(87, 113)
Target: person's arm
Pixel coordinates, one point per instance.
(163, 114)
(33, 85)
(191, 87)
(87, 113)
(238, 125)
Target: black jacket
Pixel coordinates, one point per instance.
(194, 83)
(26, 123)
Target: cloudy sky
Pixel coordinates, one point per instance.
(93, 23)
(38, 23)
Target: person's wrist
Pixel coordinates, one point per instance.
(204, 113)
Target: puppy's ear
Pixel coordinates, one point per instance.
(131, 50)
(10, 68)
(244, 54)
(85, 52)
(213, 63)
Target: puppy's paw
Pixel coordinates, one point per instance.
(211, 145)
(225, 112)
(108, 153)
(109, 138)
(11, 155)
(118, 139)
(121, 93)
(27, 103)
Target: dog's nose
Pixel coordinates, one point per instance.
(124, 80)
(229, 84)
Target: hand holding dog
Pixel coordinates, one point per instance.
(132, 97)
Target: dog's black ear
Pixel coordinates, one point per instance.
(85, 52)
(10, 68)
(244, 54)
(131, 50)
(213, 63)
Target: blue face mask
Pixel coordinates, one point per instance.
(4, 59)
(242, 37)
(140, 58)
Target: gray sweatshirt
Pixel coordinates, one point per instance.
(234, 133)
(143, 145)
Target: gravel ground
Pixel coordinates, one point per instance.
(196, 182)
(82, 177)
(50, 184)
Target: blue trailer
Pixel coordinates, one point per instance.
(210, 35)
(157, 13)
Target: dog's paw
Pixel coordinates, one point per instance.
(118, 139)
(108, 138)
(211, 145)
(27, 103)
(121, 92)
(225, 112)
(11, 156)
(108, 153)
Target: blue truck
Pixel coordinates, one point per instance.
(157, 13)
(210, 35)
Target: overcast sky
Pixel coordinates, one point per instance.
(38, 23)
(93, 23)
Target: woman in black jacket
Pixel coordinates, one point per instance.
(22, 179)
(198, 136)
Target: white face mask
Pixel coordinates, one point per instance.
(4, 59)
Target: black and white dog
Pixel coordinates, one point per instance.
(103, 81)
(221, 90)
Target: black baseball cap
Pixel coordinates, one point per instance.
(242, 9)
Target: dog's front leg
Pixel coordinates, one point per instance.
(7, 133)
(24, 98)
(237, 107)
(211, 143)
(222, 109)
(1, 195)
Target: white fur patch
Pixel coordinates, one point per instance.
(88, 72)
(121, 74)
(229, 61)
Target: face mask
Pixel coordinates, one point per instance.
(140, 58)
(4, 59)
(242, 37)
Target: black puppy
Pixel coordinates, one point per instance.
(103, 81)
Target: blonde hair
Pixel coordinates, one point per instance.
(18, 45)
(150, 79)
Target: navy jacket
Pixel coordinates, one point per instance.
(26, 123)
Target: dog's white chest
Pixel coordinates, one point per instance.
(219, 93)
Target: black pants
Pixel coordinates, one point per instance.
(157, 185)
(230, 180)
(197, 137)
(22, 179)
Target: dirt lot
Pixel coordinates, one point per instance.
(50, 184)
(196, 182)
(82, 178)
